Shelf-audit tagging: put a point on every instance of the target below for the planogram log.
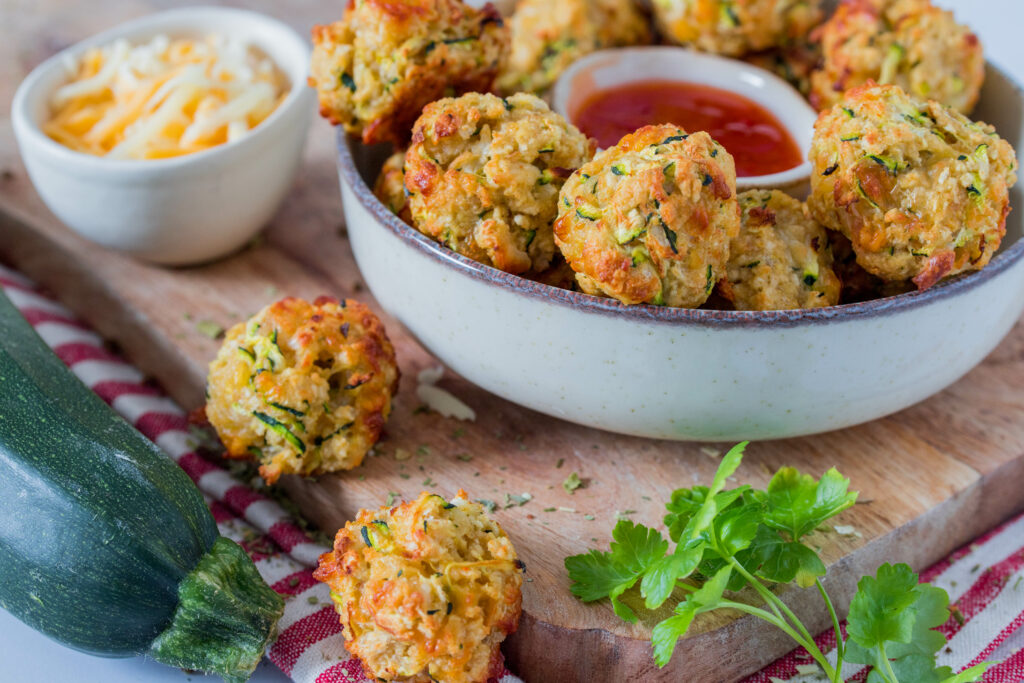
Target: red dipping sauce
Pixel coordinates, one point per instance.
(758, 142)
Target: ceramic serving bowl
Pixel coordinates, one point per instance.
(680, 373)
(186, 209)
(611, 68)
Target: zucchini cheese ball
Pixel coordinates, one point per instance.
(908, 43)
(426, 591)
(483, 175)
(736, 27)
(549, 36)
(920, 190)
(303, 388)
(650, 220)
(390, 187)
(376, 68)
(781, 258)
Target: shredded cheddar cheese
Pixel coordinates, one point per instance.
(163, 99)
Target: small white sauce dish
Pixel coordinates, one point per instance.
(613, 68)
(182, 210)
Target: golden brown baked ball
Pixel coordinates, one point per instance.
(736, 27)
(426, 590)
(303, 388)
(650, 220)
(908, 43)
(390, 187)
(781, 259)
(549, 36)
(483, 175)
(919, 189)
(376, 68)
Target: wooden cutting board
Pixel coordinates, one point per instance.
(931, 477)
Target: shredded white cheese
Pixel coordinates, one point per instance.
(163, 98)
(430, 375)
(845, 530)
(439, 400)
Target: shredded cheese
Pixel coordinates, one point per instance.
(164, 98)
(439, 400)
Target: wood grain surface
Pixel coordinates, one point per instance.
(931, 477)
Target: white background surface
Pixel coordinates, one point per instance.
(27, 657)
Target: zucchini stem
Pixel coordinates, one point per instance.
(225, 618)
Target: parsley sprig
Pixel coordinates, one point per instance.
(727, 540)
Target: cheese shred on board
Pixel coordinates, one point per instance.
(164, 98)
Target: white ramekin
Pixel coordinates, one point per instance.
(612, 68)
(182, 210)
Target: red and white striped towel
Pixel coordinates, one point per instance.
(309, 647)
(985, 580)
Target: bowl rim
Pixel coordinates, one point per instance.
(647, 313)
(28, 130)
(561, 94)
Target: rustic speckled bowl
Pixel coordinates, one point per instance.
(688, 374)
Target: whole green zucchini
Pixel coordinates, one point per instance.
(106, 545)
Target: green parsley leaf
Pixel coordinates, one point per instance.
(736, 528)
(660, 579)
(609, 574)
(682, 507)
(686, 503)
(931, 609)
(969, 675)
(916, 668)
(891, 601)
(667, 633)
(881, 609)
(797, 504)
(730, 463)
(704, 515)
(775, 559)
(693, 509)
(706, 598)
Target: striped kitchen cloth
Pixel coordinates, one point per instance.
(985, 580)
(309, 647)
